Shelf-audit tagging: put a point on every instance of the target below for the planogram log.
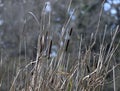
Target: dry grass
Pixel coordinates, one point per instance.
(64, 73)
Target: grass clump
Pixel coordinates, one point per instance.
(88, 71)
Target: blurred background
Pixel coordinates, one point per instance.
(15, 21)
(19, 30)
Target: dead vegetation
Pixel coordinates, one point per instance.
(88, 72)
